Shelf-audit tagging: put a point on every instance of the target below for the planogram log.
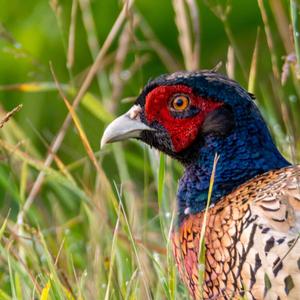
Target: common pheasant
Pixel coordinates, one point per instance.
(253, 222)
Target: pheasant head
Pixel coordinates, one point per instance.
(191, 116)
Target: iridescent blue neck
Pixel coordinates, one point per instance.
(246, 152)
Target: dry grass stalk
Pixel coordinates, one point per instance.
(282, 23)
(89, 26)
(253, 67)
(9, 115)
(230, 63)
(269, 39)
(185, 38)
(61, 134)
(194, 13)
(122, 52)
(72, 32)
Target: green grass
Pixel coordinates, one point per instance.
(82, 223)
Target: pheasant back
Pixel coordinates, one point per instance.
(251, 242)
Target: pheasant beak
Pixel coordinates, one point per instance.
(124, 127)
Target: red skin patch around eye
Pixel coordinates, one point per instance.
(182, 131)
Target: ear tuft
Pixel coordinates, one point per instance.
(220, 122)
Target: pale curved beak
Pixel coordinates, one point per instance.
(124, 127)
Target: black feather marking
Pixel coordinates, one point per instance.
(277, 266)
(279, 220)
(265, 230)
(269, 209)
(252, 278)
(270, 244)
(258, 263)
(280, 241)
(246, 251)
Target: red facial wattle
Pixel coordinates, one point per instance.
(182, 131)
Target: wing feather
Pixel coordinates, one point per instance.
(277, 203)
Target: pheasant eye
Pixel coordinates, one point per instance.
(180, 103)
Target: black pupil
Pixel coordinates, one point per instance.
(179, 102)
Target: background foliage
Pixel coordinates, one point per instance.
(96, 224)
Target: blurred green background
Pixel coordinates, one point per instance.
(67, 245)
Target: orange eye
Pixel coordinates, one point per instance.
(180, 103)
